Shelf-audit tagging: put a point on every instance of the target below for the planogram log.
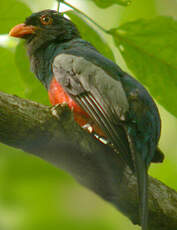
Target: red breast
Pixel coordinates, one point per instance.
(57, 95)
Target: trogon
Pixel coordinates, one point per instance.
(99, 93)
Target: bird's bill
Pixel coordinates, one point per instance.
(19, 31)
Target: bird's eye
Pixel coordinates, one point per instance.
(46, 20)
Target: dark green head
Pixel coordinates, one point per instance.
(45, 27)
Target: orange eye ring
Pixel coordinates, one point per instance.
(46, 19)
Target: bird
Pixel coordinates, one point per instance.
(114, 104)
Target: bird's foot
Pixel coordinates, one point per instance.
(54, 110)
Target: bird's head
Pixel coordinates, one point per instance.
(44, 27)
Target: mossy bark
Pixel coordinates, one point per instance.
(52, 134)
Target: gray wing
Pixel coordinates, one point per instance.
(102, 97)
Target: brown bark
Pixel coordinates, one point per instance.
(52, 134)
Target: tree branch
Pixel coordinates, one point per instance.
(52, 134)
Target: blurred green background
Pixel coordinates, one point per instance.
(35, 195)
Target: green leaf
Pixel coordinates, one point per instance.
(10, 81)
(12, 12)
(107, 3)
(90, 35)
(149, 48)
(39, 4)
(34, 90)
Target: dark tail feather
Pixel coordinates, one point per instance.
(142, 177)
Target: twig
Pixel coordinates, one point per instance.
(86, 16)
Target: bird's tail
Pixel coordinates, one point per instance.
(142, 177)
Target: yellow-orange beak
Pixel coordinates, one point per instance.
(19, 31)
